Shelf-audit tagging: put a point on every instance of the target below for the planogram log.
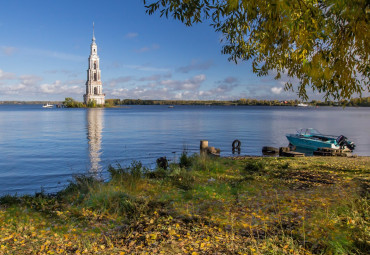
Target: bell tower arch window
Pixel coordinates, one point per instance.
(95, 77)
(95, 65)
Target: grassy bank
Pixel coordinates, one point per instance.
(200, 206)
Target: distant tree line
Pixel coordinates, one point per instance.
(71, 103)
(358, 102)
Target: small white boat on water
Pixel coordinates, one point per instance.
(47, 105)
(302, 105)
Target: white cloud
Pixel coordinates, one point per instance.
(119, 80)
(6, 76)
(67, 88)
(276, 90)
(30, 79)
(188, 89)
(189, 84)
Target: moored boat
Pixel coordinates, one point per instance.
(302, 105)
(47, 105)
(312, 139)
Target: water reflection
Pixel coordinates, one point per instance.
(94, 136)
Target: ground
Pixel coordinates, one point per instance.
(261, 205)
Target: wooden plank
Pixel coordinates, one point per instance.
(292, 154)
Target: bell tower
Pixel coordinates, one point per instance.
(94, 87)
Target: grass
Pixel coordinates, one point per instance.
(311, 205)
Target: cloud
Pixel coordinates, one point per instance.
(131, 35)
(220, 92)
(8, 51)
(66, 88)
(148, 48)
(6, 76)
(276, 90)
(30, 80)
(69, 73)
(54, 54)
(195, 65)
(230, 80)
(119, 80)
(188, 89)
(147, 68)
(162, 89)
(189, 84)
(155, 77)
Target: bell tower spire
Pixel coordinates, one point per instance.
(93, 38)
(94, 86)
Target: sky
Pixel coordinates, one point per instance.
(45, 45)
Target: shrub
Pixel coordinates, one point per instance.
(185, 161)
(80, 185)
(135, 171)
(254, 167)
(113, 201)
(158, 173)
(9, 200)
(183, 179)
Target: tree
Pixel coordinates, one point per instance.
(323, 43)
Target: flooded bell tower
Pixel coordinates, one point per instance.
(94, 87)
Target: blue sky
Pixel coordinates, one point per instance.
(44, 49)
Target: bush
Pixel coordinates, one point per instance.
(115, 202)
(135, 171)
(158, 173)
(183, 179)
(9, 200)
(185, 161)
(71, 103)
(254, 167)
(204, 163)
(80, 185)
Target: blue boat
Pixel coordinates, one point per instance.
(312, 139)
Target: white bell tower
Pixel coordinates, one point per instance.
(94, 87)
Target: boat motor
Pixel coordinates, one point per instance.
(343, 142)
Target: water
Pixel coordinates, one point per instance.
(43, 148)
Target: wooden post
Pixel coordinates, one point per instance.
(203, 146)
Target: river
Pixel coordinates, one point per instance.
(43, 148)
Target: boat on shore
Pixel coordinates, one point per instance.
(47, 105)
(312, 139)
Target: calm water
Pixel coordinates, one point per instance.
(45, 147)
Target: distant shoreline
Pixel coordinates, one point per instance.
(355, 102)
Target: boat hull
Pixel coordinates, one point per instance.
(308, 142)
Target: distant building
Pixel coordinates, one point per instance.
(94, 87)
